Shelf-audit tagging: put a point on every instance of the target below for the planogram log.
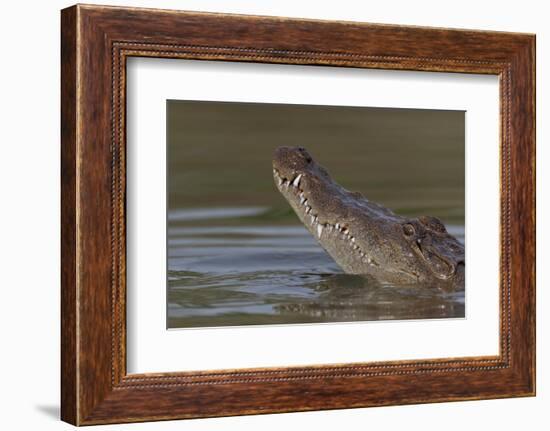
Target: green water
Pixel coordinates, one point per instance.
(238, 255)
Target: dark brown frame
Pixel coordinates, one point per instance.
(95, 43)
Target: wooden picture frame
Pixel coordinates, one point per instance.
(96, 41)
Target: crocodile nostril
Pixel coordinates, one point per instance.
(303, 152)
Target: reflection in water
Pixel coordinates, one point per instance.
(269, 274)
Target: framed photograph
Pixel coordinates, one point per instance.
(264, 214)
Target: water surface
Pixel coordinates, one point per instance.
(246, 274)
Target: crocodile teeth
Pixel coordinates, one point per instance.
(281, 181)
(296, 181)
(319, 230)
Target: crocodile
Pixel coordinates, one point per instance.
(364, 237)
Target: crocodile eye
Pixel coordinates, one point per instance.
(408, 229)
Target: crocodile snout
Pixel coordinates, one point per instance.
(291, 160)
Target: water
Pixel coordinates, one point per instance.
(227, 275)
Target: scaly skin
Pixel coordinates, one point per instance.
(364, 237)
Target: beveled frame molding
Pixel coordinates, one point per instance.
(96, 41)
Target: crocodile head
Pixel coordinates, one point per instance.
(364, 237)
